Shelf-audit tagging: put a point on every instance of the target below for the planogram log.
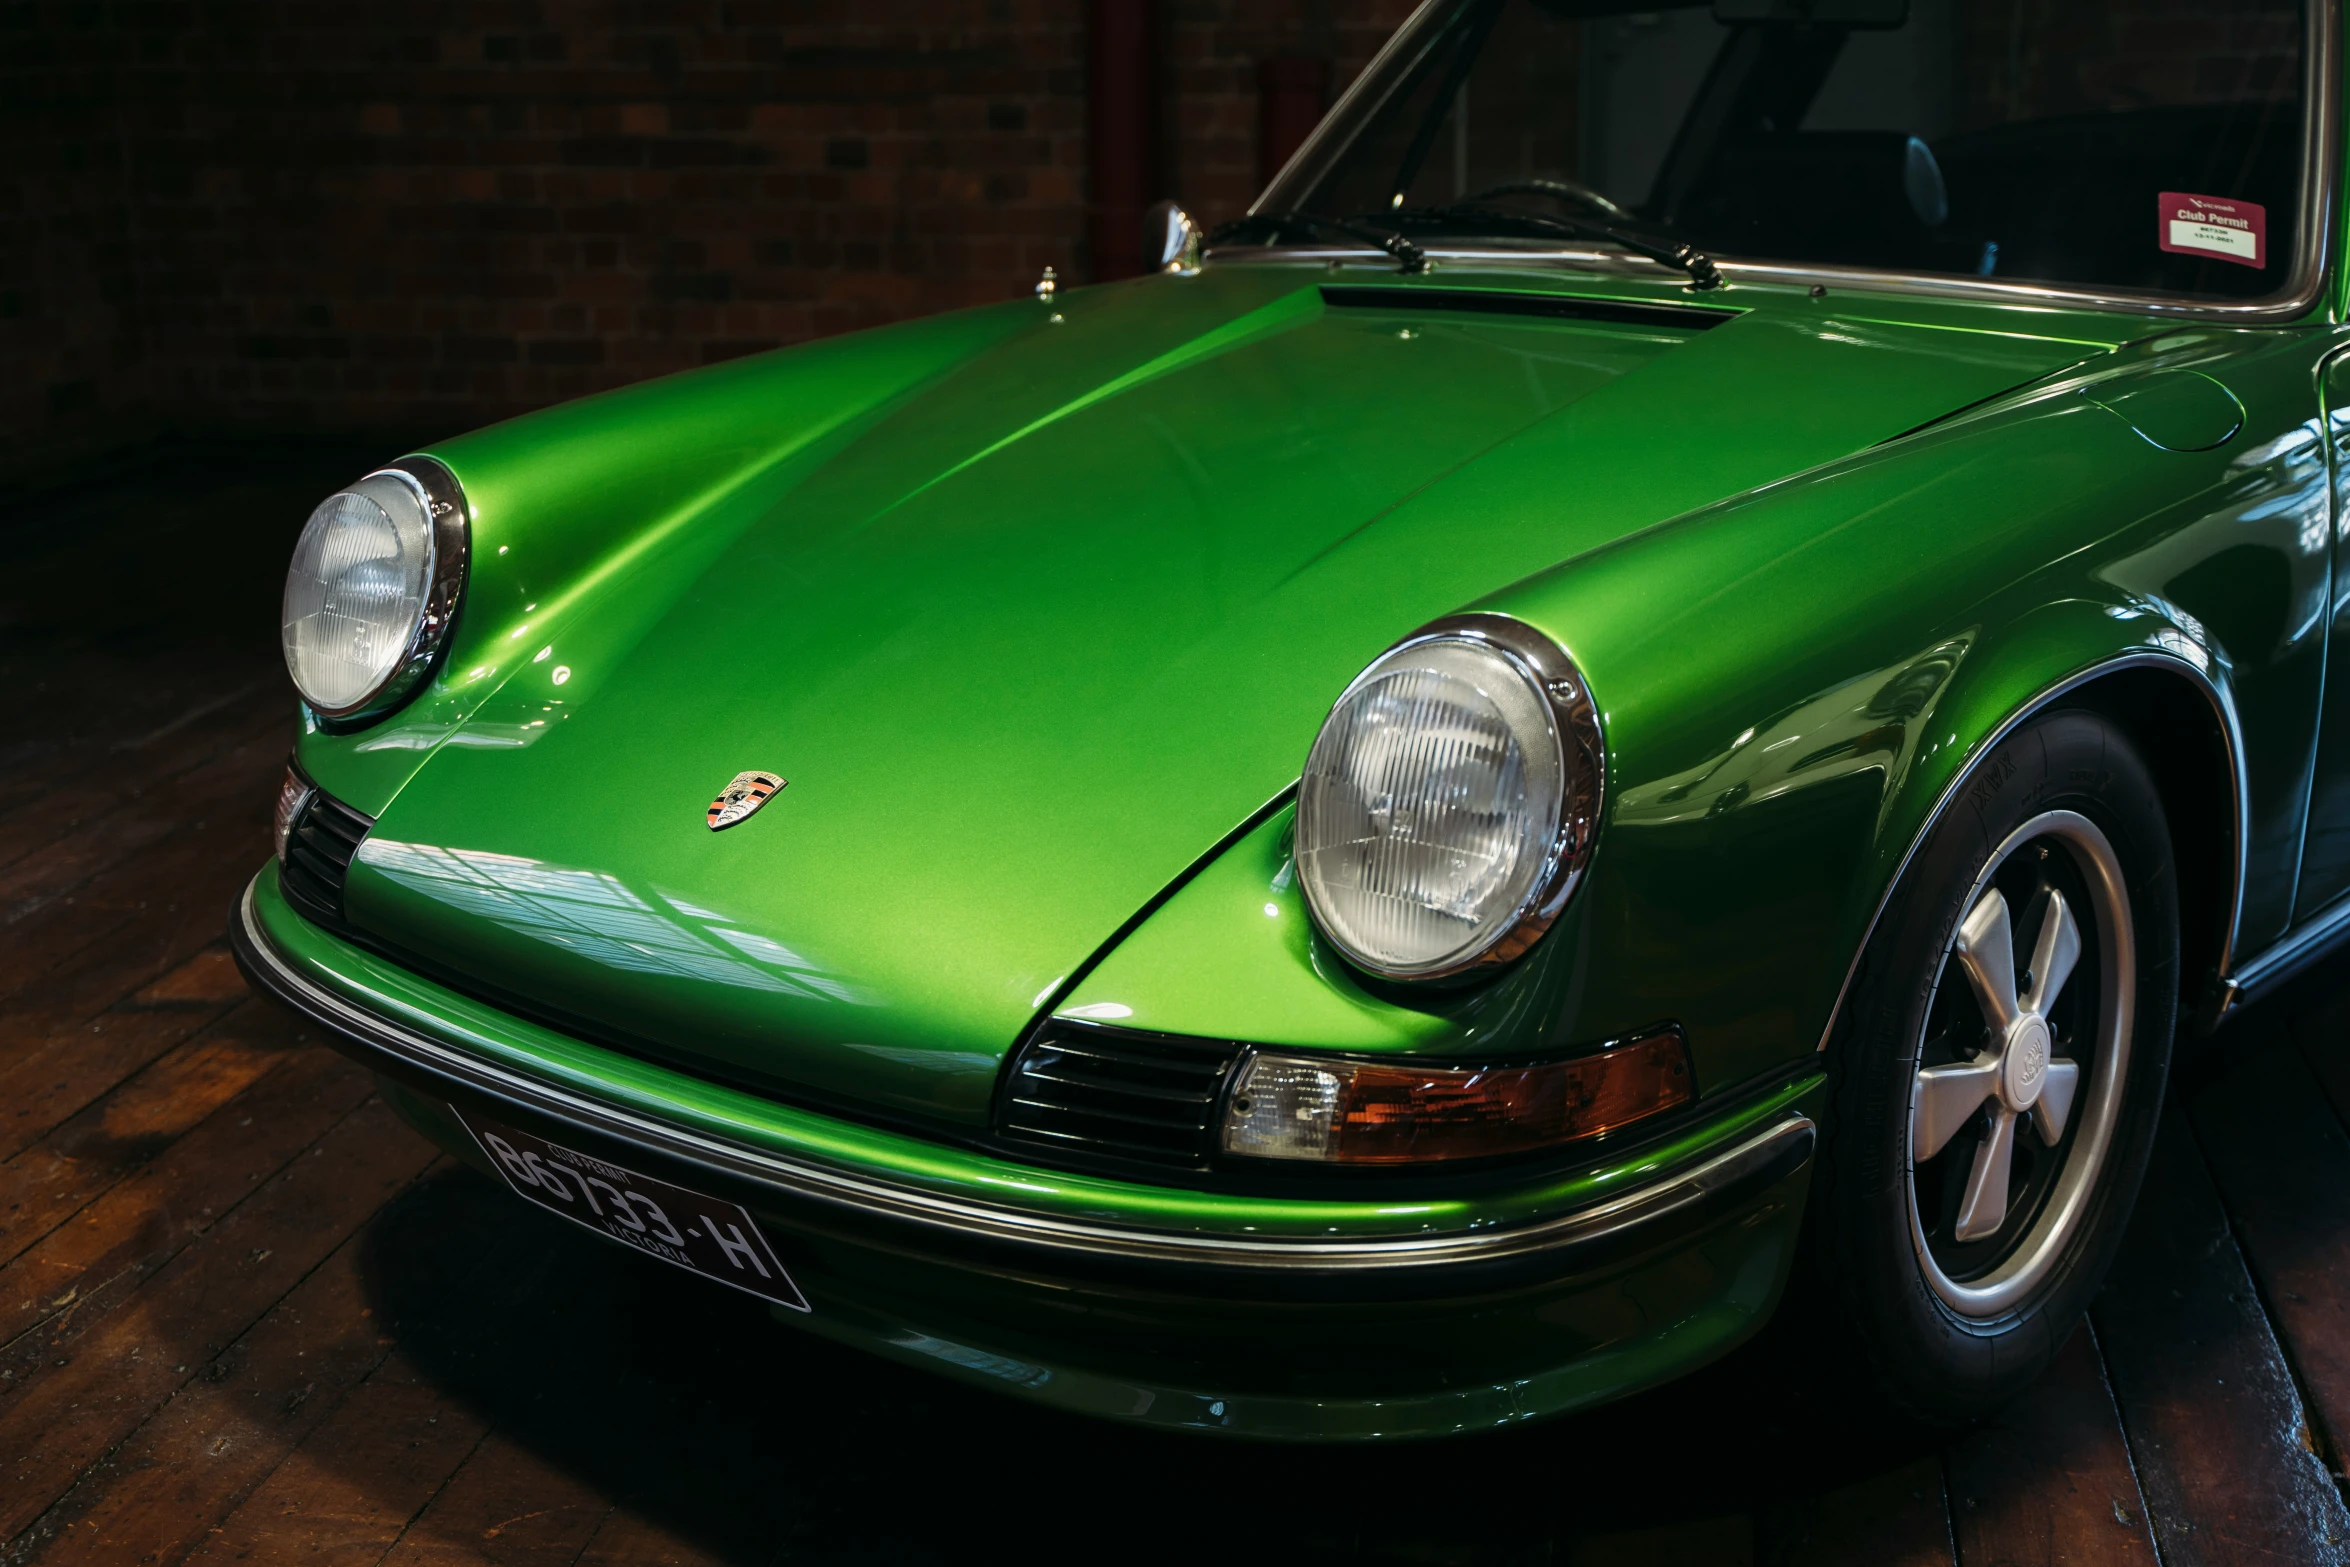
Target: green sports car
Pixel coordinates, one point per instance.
(1668, 672)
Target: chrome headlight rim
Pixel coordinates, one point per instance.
(451, 517)
(1575, 729)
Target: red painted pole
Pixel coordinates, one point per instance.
(1121, 49)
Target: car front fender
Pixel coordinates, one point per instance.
(1793, 683)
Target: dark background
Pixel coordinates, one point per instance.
(391, 220)
(402, 218)
(247, 249)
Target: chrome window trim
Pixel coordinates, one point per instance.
(2223, 709)
(1311, 148)
(443, 499)
(1574, 715)
(1758, 1158)
(2303, 290)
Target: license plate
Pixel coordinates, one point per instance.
(718, 1240)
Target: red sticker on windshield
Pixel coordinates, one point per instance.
(2214, 226)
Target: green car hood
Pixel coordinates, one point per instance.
(1032, 635)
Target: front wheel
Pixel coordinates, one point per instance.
(1995, 1098)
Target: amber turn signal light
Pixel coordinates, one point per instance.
(1368, 1112)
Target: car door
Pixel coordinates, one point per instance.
(2325, 856)
(2240, 559)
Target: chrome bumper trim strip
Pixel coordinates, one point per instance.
(1757, 1161)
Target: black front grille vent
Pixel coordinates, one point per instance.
(1117, 1093)
(1556, 307)
(318, 855)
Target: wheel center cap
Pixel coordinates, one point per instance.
(2025, 1063)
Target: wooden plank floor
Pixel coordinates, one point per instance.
(246, 1316)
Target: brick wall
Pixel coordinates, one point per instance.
(69, 328)
(417, 215)
(1213, 49)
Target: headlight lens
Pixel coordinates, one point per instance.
(372, 587)
(1449, 802)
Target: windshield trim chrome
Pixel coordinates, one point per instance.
(1362, 86)
(2304, 288)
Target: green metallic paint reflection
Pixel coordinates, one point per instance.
(1234, 955)
(2017, 547)
(1031, 614)
(1038, 611)
(1998, 557)
(1791, 680)
(2177, 410)
(758, 1121)
(2238, 562)
(1309, 1371)
(1496, 1362)
(613, 496)
(1030, 636)
(2325, 856)
(962, 739)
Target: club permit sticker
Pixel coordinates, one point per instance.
(2215, 226)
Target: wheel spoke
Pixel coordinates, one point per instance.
(1985, 1206)
(2054, 955)
(2055, 1105)
(1946, 1096)
(1986, 950)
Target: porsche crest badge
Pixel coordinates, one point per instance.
(740, 798)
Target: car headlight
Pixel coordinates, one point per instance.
(1450, 802)
(374, 587)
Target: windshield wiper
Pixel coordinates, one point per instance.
(1556, 190)
(1680, 255)
(1409, 257)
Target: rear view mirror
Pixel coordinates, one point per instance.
(1170, 240)
(1823, 13)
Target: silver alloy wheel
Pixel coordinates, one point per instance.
(2016, 1074)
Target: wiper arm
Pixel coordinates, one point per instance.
(1584, 195)
(1680, 255)
(1408, 256)
(1556, 190)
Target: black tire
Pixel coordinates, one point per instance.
(1870, 1290)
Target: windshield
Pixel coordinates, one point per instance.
(2092, 144)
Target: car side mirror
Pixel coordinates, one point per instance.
(1171, 240)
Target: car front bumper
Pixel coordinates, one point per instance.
(1305, 1319)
